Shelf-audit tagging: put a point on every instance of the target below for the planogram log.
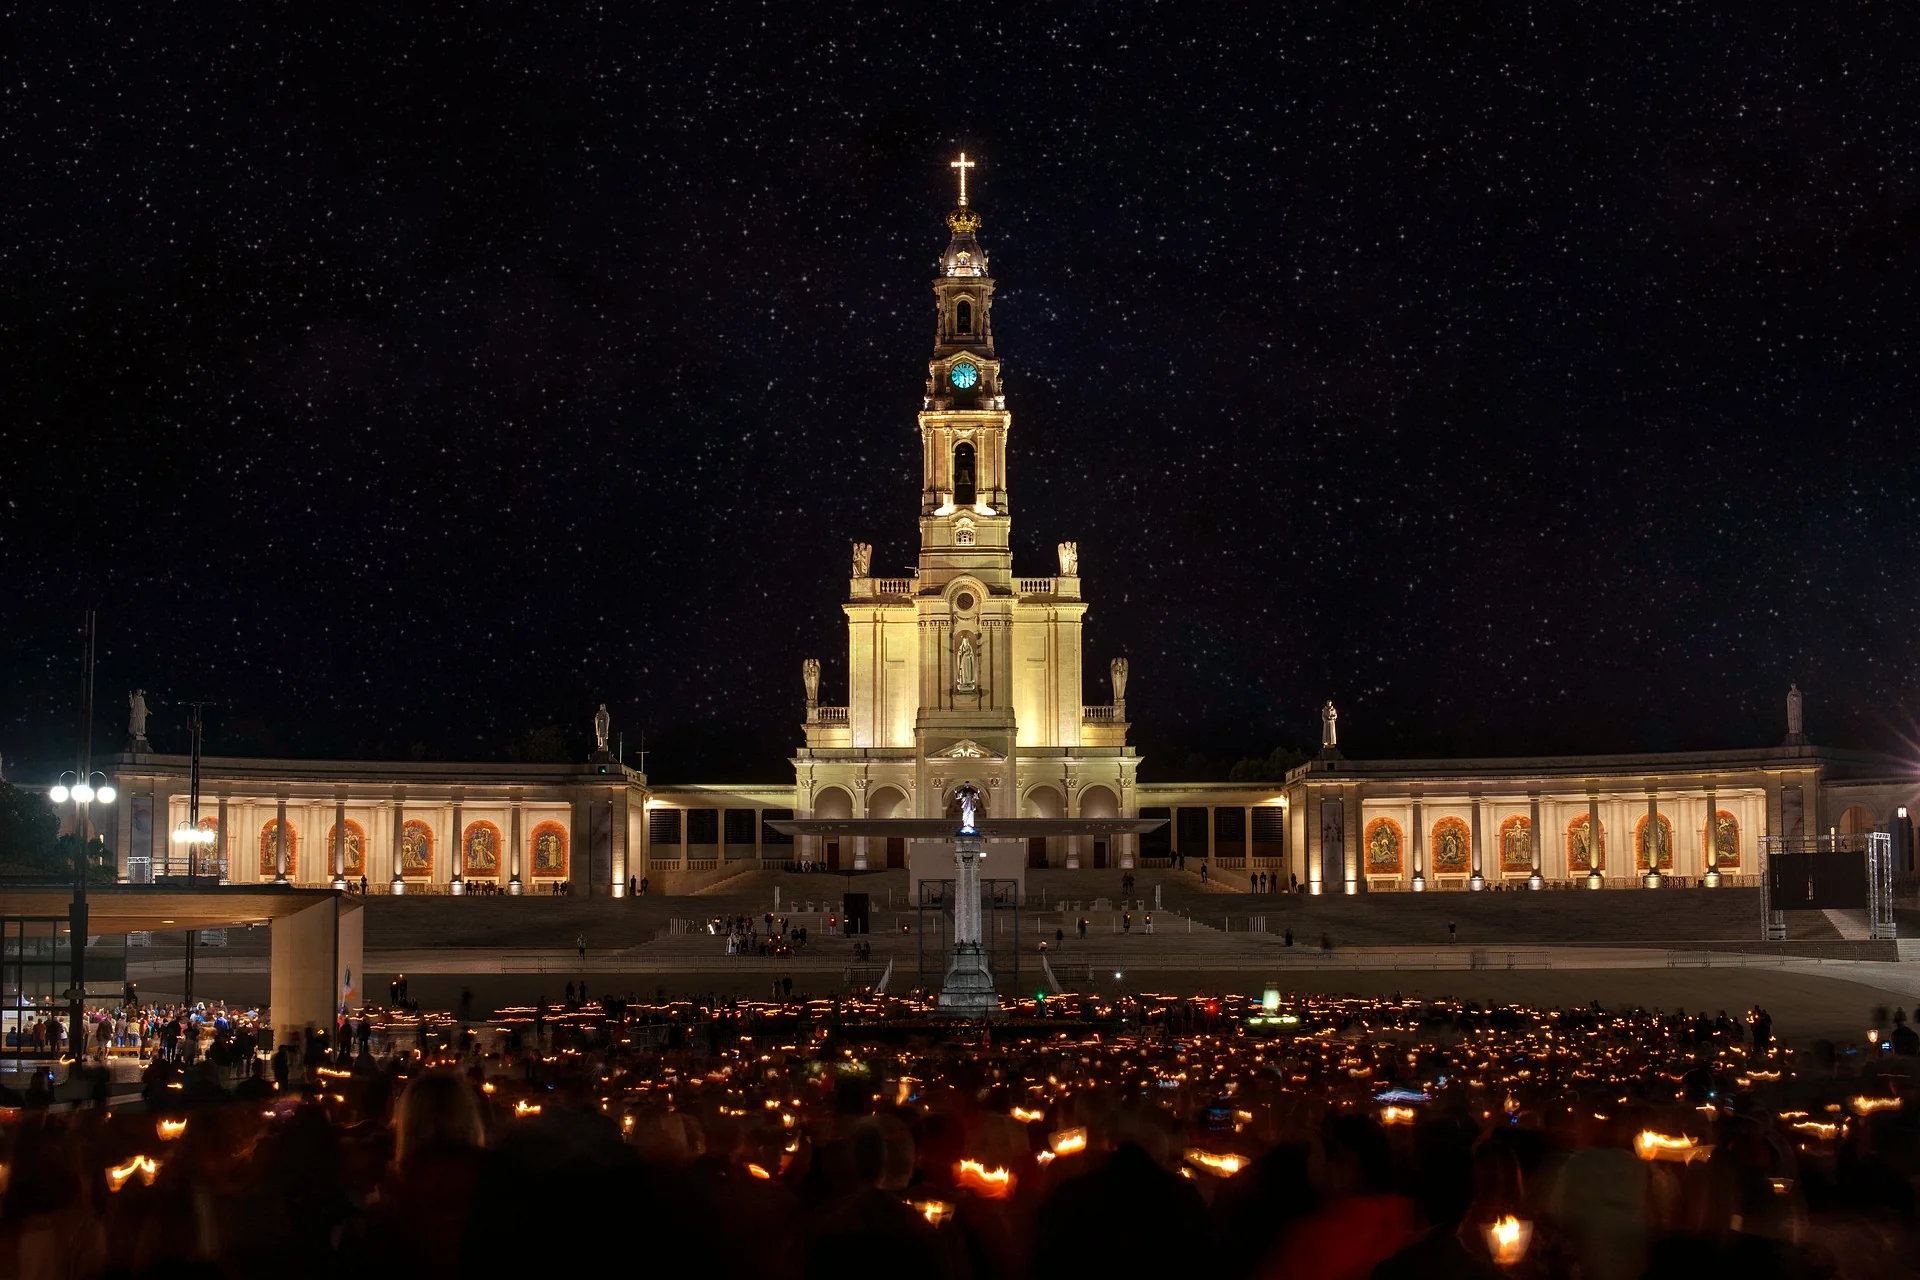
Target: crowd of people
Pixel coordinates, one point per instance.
(781, 938)
(1139, 1135)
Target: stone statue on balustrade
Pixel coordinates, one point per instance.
(1117, 671)
(1069, 559)
(810, 676)
(137, 720)
(1796, 716)
(862, 559)
(1329, 728)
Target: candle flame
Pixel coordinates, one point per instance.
(1865, 1106)
(1066, 1142)
(1216, 1163)
(988, 1184)
(171, 1129)
(145, 1166)
(1662, 1146)
(1507, 1239)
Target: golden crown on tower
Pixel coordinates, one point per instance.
(963, 221)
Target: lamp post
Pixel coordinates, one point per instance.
(83, 794)
(192, 839)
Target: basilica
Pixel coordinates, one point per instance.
(962, 672)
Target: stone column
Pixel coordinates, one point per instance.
(1653, 839)
(1535, 839)
(860, 787)
(1419, 848)
(159, 830)
(514, 886)
(280, 841)
(1478, 880)
(1597, 875)
(617, 834)
(759, 837)
(967, 989)
(398, 885)
(1213, 843)
(685, 847)
(457, 847)
(1315, 843)
(223, 848)
(1350, 837)
(338, 853)
(1712, 878)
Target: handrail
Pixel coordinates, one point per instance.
(1034, 586)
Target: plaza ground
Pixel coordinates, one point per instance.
(1692, 949)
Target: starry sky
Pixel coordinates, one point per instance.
(401, 378)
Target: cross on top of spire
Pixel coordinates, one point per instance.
(962, 165)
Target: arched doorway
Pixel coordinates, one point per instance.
(1099, 802)
(833, 802)
(1042, 802)
(1857, 821)
(889, 802)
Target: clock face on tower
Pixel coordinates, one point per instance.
(964, 375)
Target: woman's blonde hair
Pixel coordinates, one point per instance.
(438, 1109)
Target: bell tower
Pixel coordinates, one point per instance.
(961, 674)
(964, 522)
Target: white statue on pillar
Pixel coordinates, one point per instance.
(862, 559)
(1796, 714)
(810, 676)
(1329, 727)
(968, 797)
(1069, 553)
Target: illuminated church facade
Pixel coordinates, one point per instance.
(961, 671)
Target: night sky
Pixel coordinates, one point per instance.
(1533, 380)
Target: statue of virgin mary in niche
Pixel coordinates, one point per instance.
(966, 672)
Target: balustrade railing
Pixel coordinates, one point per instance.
(830, 715)
(1098, 715)
(1034, 586)
(894, 586)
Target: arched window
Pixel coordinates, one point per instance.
(963, 485)
(963, 317)
(963, 534)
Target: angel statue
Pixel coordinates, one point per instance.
(1118, 670)
(862, 559)
(1069, 559)
(810, 676)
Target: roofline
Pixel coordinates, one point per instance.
(447, 772)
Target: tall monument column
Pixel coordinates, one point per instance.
(967, 989)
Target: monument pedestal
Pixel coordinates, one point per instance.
(967, 990)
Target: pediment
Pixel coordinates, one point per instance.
(965, 749)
